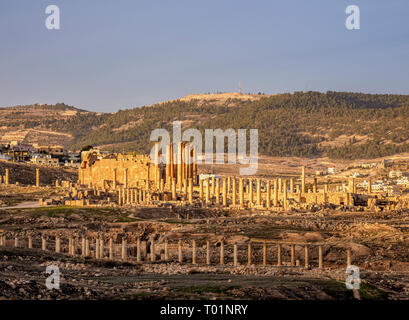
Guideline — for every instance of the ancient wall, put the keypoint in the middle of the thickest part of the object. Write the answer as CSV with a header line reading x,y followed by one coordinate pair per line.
x,y
119,171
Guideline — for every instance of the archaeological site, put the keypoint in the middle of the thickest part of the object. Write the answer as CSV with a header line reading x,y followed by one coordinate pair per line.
x,y
130,227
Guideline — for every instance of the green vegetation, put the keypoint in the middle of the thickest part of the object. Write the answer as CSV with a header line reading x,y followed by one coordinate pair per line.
x,y
296,124
208,288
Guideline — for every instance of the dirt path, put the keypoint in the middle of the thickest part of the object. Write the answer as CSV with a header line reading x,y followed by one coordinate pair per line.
x,y
23,205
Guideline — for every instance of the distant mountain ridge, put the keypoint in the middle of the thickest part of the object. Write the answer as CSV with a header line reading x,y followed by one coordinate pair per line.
x,y
306,124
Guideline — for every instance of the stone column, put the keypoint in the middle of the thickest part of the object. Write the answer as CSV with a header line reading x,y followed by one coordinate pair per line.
x,y
299,194
153,256
174,196
268,194
111,249
114,178
293,255
207,252
213,190
250,191
285,195
101,248
180,253
179,165
119,198
320,259
190,191
369,186
37,177
57,244
234,200
264,253
185,187
218,191
279,254
241,193
168,165
302,179
30,242
291,185
306,256
348,257
156,163
43,243
194,252
86,247
258,192
222,252
228,184
16,241
96,248
172,162
7,177
249,253
83,246
73,246
166,250
138,250
224,193
126,178
275,193
207,191
235,261
194,165
124,250
201,190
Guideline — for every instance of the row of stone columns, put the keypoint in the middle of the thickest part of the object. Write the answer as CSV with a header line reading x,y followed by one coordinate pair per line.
x,y
6,178
128,196
209,191
100,250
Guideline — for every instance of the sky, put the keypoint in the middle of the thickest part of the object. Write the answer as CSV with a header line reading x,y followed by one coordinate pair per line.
x,y
110,55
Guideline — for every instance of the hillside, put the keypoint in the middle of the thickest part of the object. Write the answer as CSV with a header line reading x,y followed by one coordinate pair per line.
x,y
337,124
34,123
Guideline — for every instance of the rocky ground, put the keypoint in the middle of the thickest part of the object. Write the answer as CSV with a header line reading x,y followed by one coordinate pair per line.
x,y
25,173
23,277
379,244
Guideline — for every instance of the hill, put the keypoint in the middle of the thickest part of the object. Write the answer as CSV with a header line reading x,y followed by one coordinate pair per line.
x,y
38,123
341,125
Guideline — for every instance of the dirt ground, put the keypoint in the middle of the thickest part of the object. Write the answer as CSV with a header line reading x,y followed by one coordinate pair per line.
x,y
379,244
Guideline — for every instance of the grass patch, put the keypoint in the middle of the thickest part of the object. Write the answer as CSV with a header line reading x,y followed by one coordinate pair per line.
x,y
369,292
207,289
